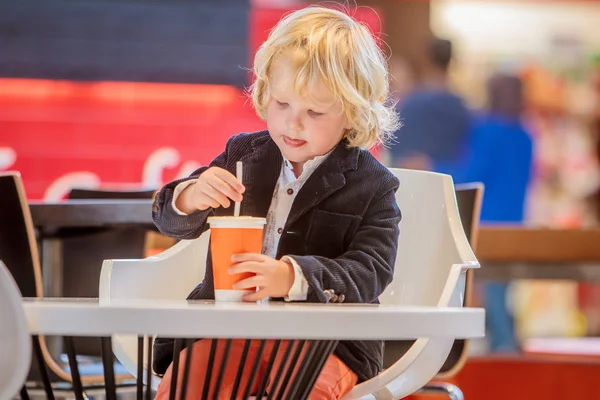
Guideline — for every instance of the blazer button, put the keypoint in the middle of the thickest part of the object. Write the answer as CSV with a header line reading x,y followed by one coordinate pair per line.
x,y
341,298
329,293
334,298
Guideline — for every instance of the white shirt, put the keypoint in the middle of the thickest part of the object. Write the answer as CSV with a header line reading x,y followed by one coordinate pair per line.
x,y
286,190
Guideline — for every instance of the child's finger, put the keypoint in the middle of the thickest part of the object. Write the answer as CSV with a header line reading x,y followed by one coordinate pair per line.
x,y
248,283
230,179
247,266
261,294
219,197
207,200
225,188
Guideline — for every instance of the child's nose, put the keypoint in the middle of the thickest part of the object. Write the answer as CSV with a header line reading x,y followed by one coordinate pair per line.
x,y
295,125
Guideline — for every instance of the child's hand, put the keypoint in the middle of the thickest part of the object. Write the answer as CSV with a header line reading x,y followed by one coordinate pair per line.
x,y
274,278
214,188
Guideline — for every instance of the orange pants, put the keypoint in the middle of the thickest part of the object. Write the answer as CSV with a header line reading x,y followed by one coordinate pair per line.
x,y
335,380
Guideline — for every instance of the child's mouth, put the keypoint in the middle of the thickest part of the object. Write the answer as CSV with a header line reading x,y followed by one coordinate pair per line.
x,y
293,142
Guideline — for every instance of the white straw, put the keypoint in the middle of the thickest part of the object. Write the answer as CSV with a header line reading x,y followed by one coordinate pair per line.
x,y
238,174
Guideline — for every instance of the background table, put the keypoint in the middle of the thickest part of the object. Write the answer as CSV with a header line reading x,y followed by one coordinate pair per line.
x,y
521,252
55,221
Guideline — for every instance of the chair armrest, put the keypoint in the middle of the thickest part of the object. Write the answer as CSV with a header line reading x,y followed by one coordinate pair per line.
x,y
453,294
171,274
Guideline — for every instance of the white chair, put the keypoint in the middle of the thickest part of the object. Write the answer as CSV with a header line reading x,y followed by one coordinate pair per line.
x,y
433,257
15,343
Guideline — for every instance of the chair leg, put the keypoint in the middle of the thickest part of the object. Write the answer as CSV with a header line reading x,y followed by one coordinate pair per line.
x,y
452,391
24,393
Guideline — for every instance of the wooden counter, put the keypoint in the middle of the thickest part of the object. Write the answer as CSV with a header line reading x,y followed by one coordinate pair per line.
x,y
522,244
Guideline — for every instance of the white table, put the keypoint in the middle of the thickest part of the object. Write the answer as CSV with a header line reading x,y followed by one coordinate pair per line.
x,y
87,317
323,325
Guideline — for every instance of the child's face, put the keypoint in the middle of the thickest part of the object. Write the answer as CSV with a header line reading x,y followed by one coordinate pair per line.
x,y
302,127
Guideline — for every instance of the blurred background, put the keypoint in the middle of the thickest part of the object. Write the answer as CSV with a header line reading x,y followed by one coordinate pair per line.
x,y
131,94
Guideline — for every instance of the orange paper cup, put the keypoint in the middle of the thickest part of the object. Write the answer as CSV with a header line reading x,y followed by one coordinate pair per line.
x,y
229,236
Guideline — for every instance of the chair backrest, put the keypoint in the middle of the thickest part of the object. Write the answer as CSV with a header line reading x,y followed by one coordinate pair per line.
x,y
19,253
18,248
15,346
469,197
431,240
83,193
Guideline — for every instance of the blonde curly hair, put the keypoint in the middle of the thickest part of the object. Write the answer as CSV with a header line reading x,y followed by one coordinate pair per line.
x,y
330,45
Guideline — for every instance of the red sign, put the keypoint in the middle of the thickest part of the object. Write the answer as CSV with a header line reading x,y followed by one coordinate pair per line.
x,y
122,135
129,135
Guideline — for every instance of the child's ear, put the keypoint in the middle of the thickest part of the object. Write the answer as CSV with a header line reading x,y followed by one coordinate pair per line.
x,y
347,134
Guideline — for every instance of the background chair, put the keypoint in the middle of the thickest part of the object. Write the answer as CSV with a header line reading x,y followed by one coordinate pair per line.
x,y
431,270
15,346
19,252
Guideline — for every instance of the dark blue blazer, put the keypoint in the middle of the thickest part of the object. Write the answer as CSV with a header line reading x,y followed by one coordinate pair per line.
x,y
342,230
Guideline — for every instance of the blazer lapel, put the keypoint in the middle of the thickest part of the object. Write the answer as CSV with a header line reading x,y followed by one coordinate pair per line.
x,y
327,179
261,168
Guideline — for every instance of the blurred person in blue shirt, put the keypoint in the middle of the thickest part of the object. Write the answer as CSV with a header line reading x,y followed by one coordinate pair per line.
x,y
500,156
435,121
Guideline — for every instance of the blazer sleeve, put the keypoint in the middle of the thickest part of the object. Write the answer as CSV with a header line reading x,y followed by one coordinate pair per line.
x,y
190,226
363,272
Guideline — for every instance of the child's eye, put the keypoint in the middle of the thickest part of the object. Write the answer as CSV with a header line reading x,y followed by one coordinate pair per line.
x,y
280,104
314,113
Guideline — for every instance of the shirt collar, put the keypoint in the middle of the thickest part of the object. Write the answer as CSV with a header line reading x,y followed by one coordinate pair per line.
x,y
309,166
